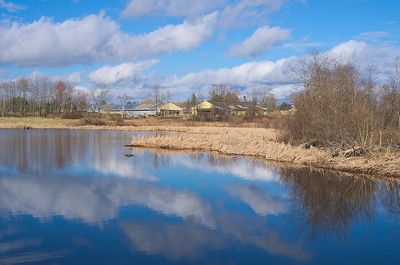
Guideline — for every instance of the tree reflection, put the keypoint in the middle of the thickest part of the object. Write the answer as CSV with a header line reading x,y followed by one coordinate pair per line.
x,y
390,195
329,203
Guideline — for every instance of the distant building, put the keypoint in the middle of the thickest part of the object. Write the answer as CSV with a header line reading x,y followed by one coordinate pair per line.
x,y
145,110
212,110
170,110
240,108
119,109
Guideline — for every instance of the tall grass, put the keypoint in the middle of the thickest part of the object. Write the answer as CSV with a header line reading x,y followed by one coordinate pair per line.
x,y
264,143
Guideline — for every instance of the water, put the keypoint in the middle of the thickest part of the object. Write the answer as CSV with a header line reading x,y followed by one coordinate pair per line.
x,y
79,197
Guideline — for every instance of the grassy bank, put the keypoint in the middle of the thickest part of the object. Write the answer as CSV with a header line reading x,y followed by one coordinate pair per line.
x,y
258,142
13,122
218,137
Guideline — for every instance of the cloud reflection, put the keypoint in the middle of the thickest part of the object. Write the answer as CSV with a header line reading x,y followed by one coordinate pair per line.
x,y
262,203
185,240
94,200
241,167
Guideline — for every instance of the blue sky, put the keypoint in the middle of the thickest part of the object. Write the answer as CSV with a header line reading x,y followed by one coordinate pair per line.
x,y
184,46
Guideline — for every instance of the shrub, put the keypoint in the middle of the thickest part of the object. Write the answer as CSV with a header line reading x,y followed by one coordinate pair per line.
x,y
72,115
93,121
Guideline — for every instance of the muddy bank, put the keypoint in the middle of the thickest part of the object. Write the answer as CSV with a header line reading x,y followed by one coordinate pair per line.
x,y
262,143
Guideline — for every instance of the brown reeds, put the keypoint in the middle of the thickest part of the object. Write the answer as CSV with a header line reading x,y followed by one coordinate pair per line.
x,y
264,143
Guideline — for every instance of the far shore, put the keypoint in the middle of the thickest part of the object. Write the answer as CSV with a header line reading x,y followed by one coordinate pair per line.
x,y
238,141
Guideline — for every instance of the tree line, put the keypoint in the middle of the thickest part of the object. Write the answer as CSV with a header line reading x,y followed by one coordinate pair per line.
x,y
342,105
40,96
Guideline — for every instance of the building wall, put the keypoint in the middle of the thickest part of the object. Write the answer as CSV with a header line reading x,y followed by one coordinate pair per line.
x,y
138,113
203,105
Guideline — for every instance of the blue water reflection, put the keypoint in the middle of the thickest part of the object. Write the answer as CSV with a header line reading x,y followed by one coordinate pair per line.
x,y
80,197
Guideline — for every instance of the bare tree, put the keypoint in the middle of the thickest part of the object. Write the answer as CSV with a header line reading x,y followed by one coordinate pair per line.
x,y
99,98
123,100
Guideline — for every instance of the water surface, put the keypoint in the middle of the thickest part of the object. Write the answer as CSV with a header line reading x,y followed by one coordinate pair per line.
x,y
81,197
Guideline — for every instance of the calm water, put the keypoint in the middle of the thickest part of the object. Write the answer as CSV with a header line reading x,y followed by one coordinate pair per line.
x,y
77,197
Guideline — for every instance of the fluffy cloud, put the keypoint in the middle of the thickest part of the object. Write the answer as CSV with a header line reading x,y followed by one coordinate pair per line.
x,y
364,54
11,7
264,72
260,41
109,75
93,38
231,13
280,75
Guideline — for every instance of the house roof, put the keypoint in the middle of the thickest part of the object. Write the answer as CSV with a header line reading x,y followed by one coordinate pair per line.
x,y
145,107
128,106
171,106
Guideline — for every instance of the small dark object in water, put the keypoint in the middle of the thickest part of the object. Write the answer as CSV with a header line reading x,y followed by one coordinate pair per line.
x,y
27,127
129,155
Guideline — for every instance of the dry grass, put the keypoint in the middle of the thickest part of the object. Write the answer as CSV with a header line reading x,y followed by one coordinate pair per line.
x,y
264,143
235,141
256,142
35,122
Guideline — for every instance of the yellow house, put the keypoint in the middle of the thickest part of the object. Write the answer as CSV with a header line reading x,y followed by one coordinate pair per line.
x,y
205,105
220,108
170,110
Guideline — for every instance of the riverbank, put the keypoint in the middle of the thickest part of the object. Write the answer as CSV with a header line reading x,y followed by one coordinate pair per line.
x,y
263,143
243,141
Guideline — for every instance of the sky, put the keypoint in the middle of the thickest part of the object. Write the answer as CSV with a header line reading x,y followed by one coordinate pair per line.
x,y
183,46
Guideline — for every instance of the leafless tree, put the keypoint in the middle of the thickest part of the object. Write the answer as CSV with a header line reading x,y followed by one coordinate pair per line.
x,y
99,98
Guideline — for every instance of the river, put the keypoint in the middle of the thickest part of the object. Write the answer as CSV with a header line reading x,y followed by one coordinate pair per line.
x,y
81,197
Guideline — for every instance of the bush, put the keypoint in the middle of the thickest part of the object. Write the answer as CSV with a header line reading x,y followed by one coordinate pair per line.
x,y
72,115
119,121
93,121
342,106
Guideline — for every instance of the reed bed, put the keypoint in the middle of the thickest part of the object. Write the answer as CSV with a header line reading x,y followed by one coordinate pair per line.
x,y
264,143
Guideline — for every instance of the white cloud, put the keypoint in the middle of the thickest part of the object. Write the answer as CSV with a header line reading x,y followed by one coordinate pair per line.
x,y
364,54
260,41
93,38
280,75
248,74
185,36
244,12
11,7
108,75
374,35
74,78
230,13
138,8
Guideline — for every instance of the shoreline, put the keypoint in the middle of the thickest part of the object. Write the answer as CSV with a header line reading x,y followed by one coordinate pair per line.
x,y
243,141
266,147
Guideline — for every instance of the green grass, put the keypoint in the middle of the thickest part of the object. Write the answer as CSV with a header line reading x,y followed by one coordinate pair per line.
x,y
36,122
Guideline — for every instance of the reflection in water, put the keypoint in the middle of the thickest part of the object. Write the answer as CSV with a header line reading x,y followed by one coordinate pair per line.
x,y
262,203
247,169
152,203
56,151
390,195
330,203
10,249
175,241
186,240
95,200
